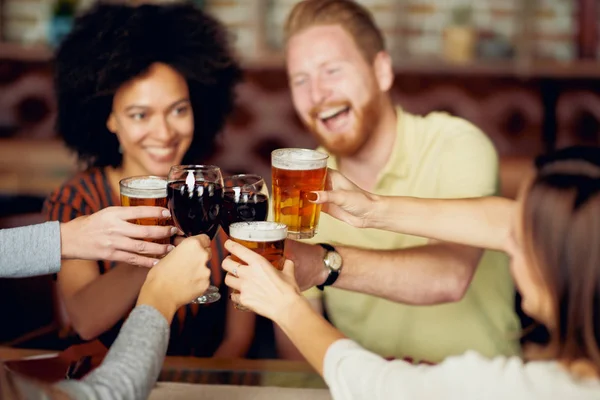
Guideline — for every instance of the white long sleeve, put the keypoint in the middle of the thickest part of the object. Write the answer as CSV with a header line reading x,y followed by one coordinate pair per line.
x,y
353,373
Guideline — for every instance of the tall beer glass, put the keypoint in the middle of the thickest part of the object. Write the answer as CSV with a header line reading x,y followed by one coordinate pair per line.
x,y
296,173
263,237
195,194
146,190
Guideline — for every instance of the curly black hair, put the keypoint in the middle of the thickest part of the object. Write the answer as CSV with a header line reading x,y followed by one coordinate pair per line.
x,y
112,44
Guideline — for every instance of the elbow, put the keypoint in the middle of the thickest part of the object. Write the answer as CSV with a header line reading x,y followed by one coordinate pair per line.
x,y
86,333
455,287
460,275
455,291
86,330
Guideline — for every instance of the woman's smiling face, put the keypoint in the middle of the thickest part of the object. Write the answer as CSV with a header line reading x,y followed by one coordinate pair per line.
x,y
153,120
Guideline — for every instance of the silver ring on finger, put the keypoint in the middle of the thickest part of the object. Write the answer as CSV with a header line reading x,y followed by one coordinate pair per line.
x,y
234,272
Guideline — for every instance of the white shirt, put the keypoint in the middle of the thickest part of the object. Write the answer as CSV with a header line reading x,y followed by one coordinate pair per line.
x,y
354,373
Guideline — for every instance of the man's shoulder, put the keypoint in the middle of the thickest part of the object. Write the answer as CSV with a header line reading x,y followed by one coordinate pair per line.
x,y
443,124
442,129
439,123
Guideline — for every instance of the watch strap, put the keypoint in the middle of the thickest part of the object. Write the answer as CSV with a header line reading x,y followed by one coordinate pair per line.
x,y
333,274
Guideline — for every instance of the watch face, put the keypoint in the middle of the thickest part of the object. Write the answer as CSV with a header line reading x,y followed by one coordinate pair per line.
x,y
334,260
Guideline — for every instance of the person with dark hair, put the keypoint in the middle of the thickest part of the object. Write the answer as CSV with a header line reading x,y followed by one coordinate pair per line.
x,y
140,89
552,234
133,363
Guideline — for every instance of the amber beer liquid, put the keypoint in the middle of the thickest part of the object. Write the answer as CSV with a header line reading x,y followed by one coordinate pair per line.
x,y
263,237
146,191
296,173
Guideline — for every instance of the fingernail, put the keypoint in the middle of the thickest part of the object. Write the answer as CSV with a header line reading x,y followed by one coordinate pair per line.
x,y
155,262
170,247
173,230
166,213
312,196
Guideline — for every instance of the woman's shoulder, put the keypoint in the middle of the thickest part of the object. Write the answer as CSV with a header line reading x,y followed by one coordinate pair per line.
x,y
80,179
87,191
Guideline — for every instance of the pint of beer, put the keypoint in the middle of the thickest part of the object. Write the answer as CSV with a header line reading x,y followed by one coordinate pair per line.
x,y
263,237
296,173
146,191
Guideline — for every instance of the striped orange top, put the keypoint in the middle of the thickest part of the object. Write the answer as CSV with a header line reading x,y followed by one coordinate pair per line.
x,y
196,330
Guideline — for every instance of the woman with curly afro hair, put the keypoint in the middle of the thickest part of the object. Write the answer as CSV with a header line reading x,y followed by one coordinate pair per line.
x,y
140,89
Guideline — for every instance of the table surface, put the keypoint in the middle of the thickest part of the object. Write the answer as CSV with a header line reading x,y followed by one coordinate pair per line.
x,y
180,391
207,371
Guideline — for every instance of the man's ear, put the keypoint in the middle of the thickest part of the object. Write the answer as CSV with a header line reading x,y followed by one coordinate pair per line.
x,y
384,72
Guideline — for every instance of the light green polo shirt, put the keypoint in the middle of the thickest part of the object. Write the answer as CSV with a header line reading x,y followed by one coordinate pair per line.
x,y
436,156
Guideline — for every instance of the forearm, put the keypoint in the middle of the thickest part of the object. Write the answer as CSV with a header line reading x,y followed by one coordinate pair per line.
x,y
430,274
133,363
239,332
68,240
99,305
285,348
232,347
30,250
309,332
480,222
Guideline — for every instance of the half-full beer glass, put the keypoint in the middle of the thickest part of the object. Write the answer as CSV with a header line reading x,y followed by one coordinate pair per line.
x,y
296,173
263,237
146,190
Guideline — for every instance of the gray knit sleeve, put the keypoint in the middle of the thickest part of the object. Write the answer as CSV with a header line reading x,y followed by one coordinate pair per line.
x,y
30,250
132,364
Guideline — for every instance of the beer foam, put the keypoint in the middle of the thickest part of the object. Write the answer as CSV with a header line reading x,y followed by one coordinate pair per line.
x,y
298,159
145,188
258,231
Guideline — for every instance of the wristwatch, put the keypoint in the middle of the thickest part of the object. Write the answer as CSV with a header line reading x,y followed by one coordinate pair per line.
x,y
333,262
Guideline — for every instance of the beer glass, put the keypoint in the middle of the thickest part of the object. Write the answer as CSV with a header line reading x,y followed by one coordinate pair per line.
x,y
245,199
146,190
296,173
195,196
263,237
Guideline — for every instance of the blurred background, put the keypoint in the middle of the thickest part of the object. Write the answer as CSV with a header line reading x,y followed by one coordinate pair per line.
x,y
526,71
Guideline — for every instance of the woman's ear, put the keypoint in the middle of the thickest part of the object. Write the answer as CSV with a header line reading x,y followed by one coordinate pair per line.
x,y
111,123
384,73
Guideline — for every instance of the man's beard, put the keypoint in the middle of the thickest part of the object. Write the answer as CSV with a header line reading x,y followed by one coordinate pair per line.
x,y
348,143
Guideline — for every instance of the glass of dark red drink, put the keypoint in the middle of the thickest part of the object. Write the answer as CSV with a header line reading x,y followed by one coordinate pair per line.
x,y
195,196
245,199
